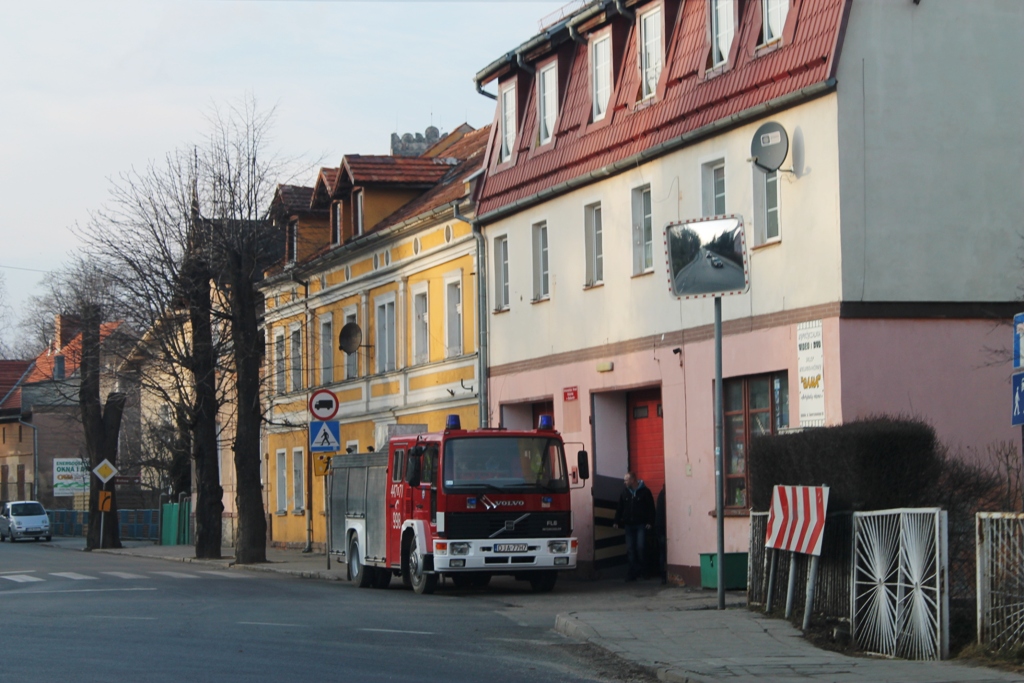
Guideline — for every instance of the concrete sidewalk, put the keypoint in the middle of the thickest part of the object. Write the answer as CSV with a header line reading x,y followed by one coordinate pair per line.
x,y
675,631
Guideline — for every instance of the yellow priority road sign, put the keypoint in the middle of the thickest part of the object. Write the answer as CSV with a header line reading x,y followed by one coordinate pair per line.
x,y
105,471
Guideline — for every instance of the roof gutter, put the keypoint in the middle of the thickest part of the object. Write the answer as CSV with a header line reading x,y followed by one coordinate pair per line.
x,y
481,314
688,138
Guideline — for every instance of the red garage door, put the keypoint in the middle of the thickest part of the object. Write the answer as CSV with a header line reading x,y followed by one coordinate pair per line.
x,y
646,444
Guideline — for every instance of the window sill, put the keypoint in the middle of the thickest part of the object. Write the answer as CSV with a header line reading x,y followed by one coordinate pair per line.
x,y
770,243
299,513
541,300
496,311
643,274
767,48
596,285
281,513
732,512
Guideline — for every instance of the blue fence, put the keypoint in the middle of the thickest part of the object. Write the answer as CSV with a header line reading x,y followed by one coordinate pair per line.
x,y
139,525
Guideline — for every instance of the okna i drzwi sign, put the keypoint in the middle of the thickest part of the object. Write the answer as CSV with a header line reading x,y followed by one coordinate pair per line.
x,y
797,519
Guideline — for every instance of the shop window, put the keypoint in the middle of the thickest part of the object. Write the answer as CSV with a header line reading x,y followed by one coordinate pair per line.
x,y
755,406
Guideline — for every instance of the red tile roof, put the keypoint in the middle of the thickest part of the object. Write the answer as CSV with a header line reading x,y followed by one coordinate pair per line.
x,y
323,188
687,100
293,198
359,169
12,373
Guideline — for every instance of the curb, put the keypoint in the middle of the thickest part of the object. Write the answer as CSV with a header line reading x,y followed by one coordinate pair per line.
x,y
228,564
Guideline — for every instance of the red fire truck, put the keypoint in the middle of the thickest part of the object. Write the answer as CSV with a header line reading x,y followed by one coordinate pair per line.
x,y
469,504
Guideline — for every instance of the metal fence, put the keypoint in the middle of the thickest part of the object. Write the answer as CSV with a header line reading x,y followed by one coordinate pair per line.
x,y
900,598
138,525
832,590
1000,580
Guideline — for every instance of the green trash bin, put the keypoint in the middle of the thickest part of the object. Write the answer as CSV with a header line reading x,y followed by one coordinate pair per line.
x,y
735,570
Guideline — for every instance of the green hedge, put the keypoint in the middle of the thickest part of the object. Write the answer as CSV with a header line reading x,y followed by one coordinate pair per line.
x,y
872,464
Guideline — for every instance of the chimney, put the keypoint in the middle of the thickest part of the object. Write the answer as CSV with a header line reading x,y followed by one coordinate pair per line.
x,y
65,329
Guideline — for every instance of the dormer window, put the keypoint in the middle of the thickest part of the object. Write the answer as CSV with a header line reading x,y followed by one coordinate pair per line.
x,y
600,75
722,29
357,212
291,241
336,214
508,121
773,18
547,101
650,52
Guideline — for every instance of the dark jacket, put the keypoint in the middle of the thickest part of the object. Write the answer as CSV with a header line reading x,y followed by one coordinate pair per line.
x,y
635,507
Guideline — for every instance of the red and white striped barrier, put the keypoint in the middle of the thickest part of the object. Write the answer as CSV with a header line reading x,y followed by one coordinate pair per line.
x,y
797,519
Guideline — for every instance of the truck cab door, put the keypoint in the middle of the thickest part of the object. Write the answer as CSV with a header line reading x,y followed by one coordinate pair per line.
x,y
397,503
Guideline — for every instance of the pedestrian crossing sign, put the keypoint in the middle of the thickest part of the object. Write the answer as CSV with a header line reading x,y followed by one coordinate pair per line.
x,y
324,437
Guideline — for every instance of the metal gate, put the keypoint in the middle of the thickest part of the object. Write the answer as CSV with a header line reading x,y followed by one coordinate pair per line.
x,y
900,592
1000,538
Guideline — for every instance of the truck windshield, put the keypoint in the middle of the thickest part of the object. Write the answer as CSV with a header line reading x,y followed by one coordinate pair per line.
x,y
505,462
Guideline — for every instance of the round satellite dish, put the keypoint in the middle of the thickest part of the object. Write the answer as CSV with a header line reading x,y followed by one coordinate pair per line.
x,y
350,338
769,146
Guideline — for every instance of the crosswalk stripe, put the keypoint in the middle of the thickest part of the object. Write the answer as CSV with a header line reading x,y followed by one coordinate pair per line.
x,y
176,575
226,574
73,576
124,575
21,578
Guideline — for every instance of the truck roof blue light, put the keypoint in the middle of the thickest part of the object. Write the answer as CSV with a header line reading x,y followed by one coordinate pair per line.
x,y
453,422
546,422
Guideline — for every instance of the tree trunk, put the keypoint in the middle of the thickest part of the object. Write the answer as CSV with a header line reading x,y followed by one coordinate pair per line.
x,y
102,427
251,539
209,494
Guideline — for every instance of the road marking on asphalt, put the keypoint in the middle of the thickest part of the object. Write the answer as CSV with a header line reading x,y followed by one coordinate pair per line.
x,y
269,623
21,578
19,571
226,574
176,575
115,616
74,576
391,630
124,575
11,594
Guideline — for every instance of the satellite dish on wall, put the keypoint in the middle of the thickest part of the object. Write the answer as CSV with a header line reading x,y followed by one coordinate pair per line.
x,y
769,146
350,338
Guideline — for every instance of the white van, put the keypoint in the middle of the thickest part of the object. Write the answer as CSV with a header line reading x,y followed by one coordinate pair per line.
x,y
24,519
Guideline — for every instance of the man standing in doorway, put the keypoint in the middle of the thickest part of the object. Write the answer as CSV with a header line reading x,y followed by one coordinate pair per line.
x,y
635,515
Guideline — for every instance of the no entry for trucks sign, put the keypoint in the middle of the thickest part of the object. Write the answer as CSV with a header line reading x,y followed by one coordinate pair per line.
x,y
323,405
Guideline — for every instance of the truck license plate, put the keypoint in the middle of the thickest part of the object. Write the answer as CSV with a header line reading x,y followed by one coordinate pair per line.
x,y
510,547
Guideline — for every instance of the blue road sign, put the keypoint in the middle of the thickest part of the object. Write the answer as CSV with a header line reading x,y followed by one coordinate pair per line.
x,y
324,437
1018,399
1018,332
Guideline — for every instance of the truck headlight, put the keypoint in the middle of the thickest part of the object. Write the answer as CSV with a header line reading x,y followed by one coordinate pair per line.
x,y
558,547
459,548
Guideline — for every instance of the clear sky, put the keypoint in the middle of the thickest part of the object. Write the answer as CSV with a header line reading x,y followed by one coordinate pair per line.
x,y
91,89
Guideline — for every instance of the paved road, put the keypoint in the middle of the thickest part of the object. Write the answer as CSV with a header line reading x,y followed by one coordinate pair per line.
x,y
76,616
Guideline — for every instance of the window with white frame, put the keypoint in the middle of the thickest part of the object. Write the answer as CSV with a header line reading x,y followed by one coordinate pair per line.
x,y
713,188
547,101
643,231
298,480
722,29
650,51
501,290
773,19
508,121
593,243
766,206
600,76
292,241
421,324
351,359
385,343
296,358
336,215
279,361
327,349
282,480
357,212
453,315
540,261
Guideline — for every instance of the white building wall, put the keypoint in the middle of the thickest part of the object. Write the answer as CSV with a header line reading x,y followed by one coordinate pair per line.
x,y
932,150
802,270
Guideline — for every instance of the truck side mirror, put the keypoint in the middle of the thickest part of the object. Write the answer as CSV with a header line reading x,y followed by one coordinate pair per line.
x,y
583,465
413,467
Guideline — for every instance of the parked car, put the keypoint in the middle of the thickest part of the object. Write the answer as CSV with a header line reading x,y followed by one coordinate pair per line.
x,y
24,519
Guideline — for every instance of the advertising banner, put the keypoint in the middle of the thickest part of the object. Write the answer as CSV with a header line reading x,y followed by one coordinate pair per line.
x,y
810,360
70,476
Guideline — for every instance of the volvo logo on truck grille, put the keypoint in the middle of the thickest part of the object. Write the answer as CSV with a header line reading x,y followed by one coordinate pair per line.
x,y
510,525
495,504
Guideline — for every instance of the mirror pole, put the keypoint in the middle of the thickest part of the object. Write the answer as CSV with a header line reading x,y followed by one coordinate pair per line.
x,y
719,455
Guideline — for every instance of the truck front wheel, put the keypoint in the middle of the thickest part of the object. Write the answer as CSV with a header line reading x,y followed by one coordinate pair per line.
x,y
358,573
421,582
543,582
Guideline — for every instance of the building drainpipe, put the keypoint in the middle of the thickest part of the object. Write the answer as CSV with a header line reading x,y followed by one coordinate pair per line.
x,y
35,458
310,378
481,318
